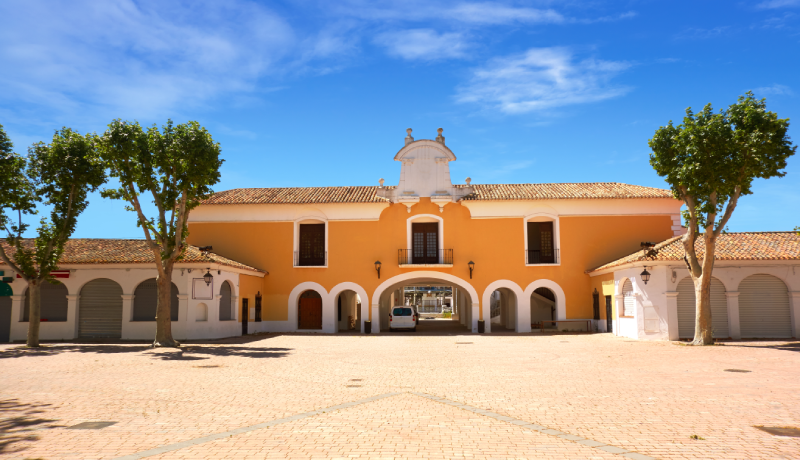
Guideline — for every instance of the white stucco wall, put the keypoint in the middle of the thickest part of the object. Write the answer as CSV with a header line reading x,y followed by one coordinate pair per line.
x,y
656,316
128,279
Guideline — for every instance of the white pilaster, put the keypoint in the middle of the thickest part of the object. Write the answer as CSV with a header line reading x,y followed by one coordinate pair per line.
x,y
619,303
72,314
794,300
214,308
376,318
19,330
672,315
523,315
179,328
734,326
475,315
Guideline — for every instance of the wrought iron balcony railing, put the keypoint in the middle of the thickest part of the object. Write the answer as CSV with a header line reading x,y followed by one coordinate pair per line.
x,y
425,257
535,256
310,259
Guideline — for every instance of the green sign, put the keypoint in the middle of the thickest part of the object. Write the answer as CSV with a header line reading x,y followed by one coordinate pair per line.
x,y
5,290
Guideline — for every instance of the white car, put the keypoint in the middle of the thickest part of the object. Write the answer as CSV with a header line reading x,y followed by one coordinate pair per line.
x,y
403,318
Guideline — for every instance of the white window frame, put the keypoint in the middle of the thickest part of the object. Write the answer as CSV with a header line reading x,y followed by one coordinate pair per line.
x,y
542,217
296,238
425,218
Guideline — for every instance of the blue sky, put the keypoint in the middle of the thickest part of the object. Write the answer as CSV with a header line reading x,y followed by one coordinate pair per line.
x,y
311,93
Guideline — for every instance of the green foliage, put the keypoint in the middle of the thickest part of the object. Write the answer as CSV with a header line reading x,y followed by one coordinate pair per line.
x,y
61,175
713,158
16,191
175,166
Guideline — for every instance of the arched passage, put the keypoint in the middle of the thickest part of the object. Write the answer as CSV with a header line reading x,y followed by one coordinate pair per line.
x,y
559,300
392,291
510,306
351,302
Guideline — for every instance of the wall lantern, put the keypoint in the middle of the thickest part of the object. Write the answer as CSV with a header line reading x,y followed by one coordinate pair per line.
x,y
378,268
645,275
471,267
208,277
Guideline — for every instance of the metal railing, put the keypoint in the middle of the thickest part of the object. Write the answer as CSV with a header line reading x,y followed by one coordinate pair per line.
x,y
411,257
310,259
535,256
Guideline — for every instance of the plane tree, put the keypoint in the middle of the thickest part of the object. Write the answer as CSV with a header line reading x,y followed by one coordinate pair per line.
x,y
709,162
59,175
173,168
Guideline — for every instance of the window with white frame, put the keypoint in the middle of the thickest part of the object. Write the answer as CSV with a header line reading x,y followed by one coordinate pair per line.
x,y
628,299
311,243
541,240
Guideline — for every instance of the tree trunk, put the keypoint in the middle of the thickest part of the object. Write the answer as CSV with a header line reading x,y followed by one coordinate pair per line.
x,y
35,312
163,312
703,332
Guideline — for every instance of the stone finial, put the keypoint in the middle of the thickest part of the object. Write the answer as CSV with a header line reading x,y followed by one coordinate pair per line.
x,y
440,138
381,181
468,180
409,138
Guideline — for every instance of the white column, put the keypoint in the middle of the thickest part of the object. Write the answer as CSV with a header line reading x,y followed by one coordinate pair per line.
x,y
523,315
72,315
794,299
237,314
619,301
214,308
180,328
376,316
475,316
672,315
127,315
734,326
19,330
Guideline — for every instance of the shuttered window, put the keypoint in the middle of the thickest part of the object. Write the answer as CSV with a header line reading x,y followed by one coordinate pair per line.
x,y
53,301
225,308
629,301
764,307
145,301
687,309
312,245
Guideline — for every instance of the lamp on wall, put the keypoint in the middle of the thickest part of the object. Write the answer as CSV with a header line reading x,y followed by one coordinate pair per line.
x,y
208,277
378,268
645,275
471,267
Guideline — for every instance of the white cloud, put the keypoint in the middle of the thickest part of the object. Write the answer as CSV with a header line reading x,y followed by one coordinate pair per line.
x,y
142,59
477,13
423,44
773,4
777,90
494,14
541,78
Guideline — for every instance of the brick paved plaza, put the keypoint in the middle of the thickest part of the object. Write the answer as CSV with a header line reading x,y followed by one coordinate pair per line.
x,y
401,395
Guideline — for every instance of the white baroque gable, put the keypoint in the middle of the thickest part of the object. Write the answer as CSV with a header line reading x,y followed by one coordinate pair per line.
x,y
425,172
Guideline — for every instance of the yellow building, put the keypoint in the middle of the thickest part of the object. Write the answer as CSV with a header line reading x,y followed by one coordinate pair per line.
x,y
338,258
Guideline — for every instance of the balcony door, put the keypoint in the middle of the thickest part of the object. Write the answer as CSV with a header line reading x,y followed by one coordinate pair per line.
x,y
541,244
312,245
425,243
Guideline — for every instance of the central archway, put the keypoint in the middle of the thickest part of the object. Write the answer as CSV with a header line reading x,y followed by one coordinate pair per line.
x,y
467,316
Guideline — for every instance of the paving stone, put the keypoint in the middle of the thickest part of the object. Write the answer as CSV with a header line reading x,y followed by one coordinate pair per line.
x,y
647,398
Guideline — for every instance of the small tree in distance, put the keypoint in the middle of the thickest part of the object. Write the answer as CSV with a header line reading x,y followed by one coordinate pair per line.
x,y
61,175
710,161
174,168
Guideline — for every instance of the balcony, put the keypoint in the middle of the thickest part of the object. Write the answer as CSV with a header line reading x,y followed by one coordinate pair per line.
x,y
425,258
311,259
537,257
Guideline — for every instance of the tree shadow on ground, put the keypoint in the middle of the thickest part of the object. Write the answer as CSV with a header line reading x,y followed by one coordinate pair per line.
x,y
18,424
191,352
778,345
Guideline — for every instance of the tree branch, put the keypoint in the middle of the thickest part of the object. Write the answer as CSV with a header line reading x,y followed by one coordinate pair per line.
x,y
690,237
729,210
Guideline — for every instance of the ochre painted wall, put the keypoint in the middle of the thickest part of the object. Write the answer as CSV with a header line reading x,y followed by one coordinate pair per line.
x,y
605,286
495,245
248,288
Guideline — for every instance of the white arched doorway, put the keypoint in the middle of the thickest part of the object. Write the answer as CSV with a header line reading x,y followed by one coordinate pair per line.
x,y
559,300
391,291
350,300
512,306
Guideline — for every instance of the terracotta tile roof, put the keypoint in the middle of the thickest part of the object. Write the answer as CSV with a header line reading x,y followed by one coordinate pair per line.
x,y
119,251
730,246
588,190
368,194
297,195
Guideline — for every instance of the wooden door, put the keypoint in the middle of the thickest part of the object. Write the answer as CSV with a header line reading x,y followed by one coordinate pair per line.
x,y
609,320
425,243
310,313
245,314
